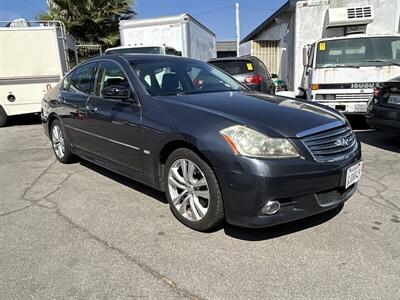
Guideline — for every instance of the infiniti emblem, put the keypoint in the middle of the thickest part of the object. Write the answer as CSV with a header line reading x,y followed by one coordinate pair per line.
x,y
342,142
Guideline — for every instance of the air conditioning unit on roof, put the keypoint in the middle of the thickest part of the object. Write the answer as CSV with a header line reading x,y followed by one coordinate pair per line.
x,y
348,16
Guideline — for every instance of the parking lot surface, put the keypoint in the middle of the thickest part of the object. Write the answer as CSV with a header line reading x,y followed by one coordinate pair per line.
x,y
79,231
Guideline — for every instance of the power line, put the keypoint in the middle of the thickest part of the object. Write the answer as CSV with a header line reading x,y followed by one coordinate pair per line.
x,y
258,9
214,10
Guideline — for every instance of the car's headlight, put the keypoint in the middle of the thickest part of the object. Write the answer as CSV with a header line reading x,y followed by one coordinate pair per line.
x,y
248,142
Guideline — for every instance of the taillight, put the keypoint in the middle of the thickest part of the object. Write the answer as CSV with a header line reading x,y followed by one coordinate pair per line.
x,y
377,91
255,79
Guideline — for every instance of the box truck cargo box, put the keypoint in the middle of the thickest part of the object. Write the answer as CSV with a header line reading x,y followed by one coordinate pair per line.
x,y
34,56
183,33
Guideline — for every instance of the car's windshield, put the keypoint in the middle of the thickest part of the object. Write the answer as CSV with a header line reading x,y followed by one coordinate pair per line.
x,y
147,50
358,52
180,77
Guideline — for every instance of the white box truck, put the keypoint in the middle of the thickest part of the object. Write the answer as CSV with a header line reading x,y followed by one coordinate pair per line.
x,y
342,49
34,56
183,33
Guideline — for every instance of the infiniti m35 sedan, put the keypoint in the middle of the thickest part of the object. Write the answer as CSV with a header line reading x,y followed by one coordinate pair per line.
x,y
218,150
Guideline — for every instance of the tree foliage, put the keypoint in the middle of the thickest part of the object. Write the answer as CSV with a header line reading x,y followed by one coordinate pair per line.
x,y
90,21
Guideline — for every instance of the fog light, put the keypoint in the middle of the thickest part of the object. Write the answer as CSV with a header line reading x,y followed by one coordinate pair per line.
x,y
271,208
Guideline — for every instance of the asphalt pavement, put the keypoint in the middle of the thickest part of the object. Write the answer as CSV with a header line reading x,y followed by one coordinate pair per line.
x,y
78,231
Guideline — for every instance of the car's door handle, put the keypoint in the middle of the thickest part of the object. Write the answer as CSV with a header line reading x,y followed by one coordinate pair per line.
x,y
91,108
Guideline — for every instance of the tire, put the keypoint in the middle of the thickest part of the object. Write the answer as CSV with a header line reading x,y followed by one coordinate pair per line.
x,y
194,203
3,117
60,143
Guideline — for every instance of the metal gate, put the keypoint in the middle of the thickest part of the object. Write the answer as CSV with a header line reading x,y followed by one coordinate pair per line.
x,y
267,51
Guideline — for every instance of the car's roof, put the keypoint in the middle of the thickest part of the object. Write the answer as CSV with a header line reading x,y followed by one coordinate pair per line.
x,y
143,56
248,57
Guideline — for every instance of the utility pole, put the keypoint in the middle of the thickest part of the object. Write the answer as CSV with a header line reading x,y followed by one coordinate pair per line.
x,y
237,29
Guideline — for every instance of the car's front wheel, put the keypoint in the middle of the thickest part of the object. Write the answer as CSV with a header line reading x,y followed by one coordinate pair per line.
x,y
193,191
60,143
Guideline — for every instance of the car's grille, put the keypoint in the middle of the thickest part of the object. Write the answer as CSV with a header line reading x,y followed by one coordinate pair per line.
x,y
331,145
332,197
353,97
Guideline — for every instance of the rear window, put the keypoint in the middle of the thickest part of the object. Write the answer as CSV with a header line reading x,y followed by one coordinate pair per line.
x,y
235,67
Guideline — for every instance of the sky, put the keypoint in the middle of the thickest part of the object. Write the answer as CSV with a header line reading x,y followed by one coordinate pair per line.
x,y
217,15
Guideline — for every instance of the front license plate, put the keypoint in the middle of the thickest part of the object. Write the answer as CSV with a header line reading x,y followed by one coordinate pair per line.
x,y
394,99
353,174
360,107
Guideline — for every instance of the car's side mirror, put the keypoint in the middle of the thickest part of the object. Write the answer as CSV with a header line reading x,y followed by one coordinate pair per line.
x,y
118,92
273,75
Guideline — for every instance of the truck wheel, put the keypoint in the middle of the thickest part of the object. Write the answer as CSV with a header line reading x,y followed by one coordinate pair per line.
x,y
193,191
3,117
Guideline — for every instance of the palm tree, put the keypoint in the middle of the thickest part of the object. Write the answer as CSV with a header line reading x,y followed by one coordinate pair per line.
x,y
90,21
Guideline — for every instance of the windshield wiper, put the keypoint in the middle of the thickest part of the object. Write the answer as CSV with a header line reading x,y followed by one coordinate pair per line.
x,y
341,66
390,61
205,92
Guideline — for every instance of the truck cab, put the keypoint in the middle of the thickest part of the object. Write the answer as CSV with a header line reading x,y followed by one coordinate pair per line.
x,y
341,72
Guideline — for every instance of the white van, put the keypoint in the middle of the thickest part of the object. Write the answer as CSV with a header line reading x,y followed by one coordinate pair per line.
x,y
34,56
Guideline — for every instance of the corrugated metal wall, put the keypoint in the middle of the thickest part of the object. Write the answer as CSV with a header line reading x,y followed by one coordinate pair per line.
x,y
267,51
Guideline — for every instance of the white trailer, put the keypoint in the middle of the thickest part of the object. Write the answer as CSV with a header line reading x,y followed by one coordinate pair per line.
x,y
348,47
34,56
183,33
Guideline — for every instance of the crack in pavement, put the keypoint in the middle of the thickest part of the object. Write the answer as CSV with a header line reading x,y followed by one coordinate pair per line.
x,y
391,206
147,269
16,210
170,283
379,193
26,190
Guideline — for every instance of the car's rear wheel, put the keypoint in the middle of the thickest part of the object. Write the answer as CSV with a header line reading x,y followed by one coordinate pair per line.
x,y
60,143
193,191
3,117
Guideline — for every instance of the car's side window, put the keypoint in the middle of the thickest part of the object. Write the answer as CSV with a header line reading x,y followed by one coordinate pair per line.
x,y
109,74
67,81
81,81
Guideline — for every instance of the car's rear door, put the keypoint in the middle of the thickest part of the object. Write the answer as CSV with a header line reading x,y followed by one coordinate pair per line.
x,y
73,100
114,123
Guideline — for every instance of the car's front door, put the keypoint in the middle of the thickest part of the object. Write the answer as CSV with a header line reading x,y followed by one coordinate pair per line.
x,y
114,118
77,87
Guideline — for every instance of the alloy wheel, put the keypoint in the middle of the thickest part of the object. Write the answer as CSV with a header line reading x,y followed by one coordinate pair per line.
x,y
58,141
188,189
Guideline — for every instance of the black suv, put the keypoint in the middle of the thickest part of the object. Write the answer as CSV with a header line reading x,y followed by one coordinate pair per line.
x,y
249,70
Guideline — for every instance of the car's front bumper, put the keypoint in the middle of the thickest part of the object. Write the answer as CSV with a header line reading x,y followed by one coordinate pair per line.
x,y
295,183
386,118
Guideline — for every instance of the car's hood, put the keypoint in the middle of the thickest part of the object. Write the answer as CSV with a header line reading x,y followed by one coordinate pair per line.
x,y
275,116
394,82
